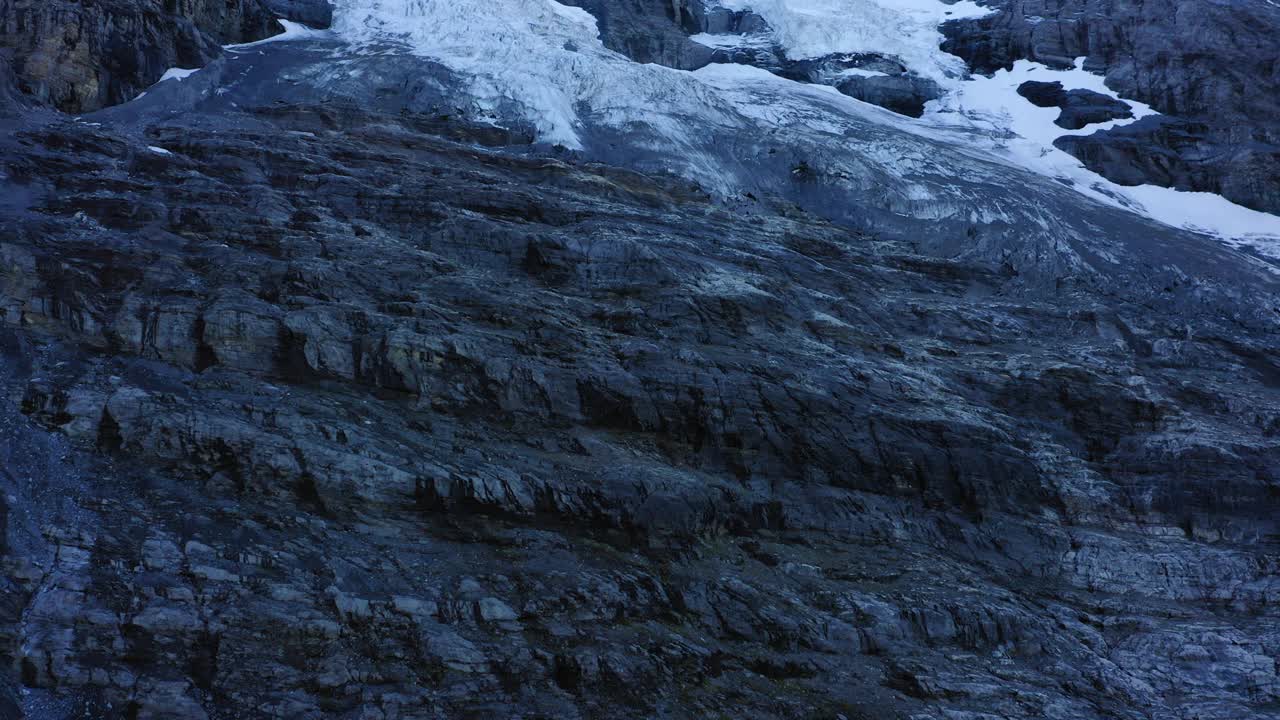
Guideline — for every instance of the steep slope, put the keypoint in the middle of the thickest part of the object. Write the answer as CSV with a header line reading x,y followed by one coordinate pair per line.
x,y
1208,67
334,388
83,56
537,439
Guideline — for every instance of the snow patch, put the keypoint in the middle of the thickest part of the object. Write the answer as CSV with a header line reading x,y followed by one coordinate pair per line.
x,y
541,57
292,31
178,74
1020,131
861,72
158,150
988,111
754,41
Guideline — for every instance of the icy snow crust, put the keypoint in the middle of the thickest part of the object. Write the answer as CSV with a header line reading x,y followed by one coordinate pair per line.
x,y
541,62
539,55
907,29
178,74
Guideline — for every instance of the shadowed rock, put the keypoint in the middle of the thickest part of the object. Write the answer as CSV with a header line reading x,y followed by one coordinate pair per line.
x,y
1209,66
1079,107
79,57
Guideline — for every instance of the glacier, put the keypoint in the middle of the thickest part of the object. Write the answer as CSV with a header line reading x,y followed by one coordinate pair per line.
x,y
542,63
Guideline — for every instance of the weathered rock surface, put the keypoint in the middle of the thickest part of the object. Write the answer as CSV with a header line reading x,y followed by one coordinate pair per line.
x,y
546,439
1079,107
312,13
81,56
658,31
651,31
904,94
1209,66
319,408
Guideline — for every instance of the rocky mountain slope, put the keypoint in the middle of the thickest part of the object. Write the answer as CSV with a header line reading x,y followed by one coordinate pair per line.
x,y
79,57
1209,67
327,394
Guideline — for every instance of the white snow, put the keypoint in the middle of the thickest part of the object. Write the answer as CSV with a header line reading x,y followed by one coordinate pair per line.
x,y
759,41
541,57
991,109
543,62
178,74
907,29
292,31
862,72
158,150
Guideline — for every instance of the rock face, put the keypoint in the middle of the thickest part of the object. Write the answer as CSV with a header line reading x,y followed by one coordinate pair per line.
x,y
1186,154
318,408
651,31
658,31
312,13
904,94
1079,107
1208,66
81,56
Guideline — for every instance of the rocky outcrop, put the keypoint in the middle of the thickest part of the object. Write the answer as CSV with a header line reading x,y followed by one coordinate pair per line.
x,y
1175,152
1202,64
904,93
79,56
312,13
650,31
1079,107
658,31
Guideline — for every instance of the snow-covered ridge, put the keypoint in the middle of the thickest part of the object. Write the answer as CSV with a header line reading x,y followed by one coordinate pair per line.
x,y
543,63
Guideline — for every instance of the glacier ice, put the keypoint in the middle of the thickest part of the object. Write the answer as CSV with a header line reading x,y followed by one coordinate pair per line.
x,y
542,63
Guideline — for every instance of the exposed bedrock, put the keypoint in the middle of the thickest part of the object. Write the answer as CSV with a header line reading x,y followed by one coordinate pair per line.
x,y
651,31
312,13
1079,107
1210,67
375,421
318,400
904,94
658,31
1173,152
81,56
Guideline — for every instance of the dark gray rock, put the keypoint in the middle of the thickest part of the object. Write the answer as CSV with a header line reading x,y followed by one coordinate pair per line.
x,y
79,56
904,94
893,88
1178,153
557,439
1207,65
1079,107
312,13
719,20
651,31
1043,94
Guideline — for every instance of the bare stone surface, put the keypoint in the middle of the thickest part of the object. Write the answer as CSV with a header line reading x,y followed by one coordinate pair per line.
x,y
341,409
